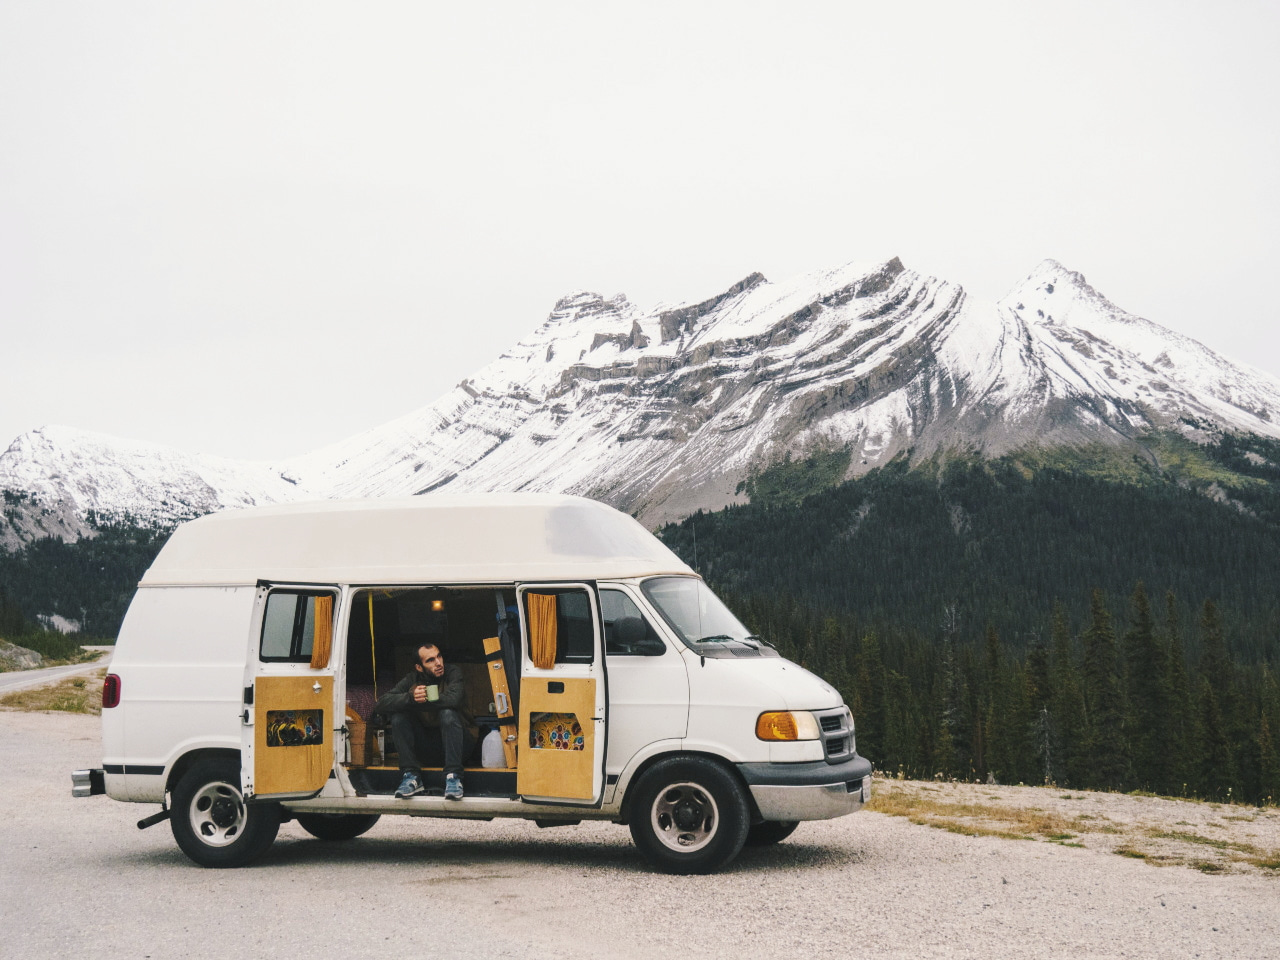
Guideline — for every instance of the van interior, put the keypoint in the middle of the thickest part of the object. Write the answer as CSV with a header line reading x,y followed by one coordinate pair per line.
x,y
386,629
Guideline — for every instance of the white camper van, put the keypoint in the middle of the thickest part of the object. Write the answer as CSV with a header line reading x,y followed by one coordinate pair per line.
x,y
241,690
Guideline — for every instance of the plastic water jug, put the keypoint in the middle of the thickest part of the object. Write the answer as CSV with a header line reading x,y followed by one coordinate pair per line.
x,y
491,754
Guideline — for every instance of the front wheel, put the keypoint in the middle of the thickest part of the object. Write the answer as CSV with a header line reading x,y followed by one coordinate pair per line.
x,y
689,815
211,821
336,826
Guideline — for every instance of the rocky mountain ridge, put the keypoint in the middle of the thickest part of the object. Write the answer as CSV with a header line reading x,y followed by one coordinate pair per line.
x,y
666,411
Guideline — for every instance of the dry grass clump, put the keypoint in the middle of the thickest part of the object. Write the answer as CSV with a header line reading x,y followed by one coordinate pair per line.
x,y
1156,830
973,819
72,695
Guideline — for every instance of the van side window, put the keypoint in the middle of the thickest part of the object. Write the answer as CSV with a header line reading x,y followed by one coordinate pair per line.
x,y
289,626
575,632
627,633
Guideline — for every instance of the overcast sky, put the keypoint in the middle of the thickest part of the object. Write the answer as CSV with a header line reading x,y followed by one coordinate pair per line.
x,y
249,229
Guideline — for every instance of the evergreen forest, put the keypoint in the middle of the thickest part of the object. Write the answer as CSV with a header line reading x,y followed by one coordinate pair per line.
x,y
988,621
89,582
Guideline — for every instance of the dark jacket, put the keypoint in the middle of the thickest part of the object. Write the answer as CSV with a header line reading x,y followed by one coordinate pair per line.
x,y
453,694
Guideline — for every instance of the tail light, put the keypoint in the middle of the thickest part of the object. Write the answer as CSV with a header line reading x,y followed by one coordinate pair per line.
x,y
110,691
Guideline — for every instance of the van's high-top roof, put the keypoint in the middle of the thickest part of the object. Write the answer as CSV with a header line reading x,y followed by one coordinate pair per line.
x,y
428,539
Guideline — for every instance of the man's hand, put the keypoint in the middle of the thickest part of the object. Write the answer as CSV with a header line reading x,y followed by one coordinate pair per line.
x,y
420,694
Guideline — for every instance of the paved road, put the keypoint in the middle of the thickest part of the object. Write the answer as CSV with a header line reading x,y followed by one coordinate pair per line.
x,y
78,879
23,679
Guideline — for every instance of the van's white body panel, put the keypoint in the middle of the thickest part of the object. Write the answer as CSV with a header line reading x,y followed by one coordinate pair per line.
x,y
182,650
437,539
186,651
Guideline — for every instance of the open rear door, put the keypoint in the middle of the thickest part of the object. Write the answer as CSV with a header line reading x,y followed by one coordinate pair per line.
x,y
562,717
288,719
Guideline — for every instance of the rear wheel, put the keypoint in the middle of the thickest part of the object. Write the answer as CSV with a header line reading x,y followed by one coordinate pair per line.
x,y
689,815
211,821
336,826
770,832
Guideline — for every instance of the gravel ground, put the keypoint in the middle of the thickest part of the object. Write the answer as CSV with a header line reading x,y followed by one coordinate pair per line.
x,y
76,877
1209,837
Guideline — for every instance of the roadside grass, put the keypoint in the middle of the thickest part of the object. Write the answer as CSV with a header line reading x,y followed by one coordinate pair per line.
x,y
973,819
72,695
974,811
1196,838
83,656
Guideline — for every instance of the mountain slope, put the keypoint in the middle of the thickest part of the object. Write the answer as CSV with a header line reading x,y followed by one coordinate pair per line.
x,y
666,411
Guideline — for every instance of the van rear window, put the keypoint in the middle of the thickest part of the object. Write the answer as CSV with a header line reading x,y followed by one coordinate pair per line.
x,y
289,626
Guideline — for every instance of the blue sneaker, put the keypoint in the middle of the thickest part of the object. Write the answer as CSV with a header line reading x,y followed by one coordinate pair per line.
x,y
409,786
452,787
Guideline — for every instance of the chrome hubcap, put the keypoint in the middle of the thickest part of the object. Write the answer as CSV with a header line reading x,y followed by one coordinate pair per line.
x,y
217,814
684,817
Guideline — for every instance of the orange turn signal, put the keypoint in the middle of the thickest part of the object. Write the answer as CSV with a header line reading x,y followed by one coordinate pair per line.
x,y
779,725
787,725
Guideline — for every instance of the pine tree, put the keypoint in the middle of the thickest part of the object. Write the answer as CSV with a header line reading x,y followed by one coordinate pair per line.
x,y
1268,732
946,699
1269,766
1104,700
942,752
994,712
1019,723
1067,729
1183,760
868,704
1148,701
1039,700
1218,761
830,660
1216,776
903,722
1215,662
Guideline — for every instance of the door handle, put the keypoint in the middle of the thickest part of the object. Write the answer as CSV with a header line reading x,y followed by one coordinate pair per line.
x,y
316,686
502,706
555,686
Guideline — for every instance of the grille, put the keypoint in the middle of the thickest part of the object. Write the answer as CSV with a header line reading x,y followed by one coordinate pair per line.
x,y
837,734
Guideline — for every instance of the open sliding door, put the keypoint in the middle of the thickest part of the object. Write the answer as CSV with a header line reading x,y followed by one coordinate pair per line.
x,y
563,695
288,719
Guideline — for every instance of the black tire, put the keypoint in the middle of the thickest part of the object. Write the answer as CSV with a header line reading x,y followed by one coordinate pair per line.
x,y
212,823
769,832
689,815
336,826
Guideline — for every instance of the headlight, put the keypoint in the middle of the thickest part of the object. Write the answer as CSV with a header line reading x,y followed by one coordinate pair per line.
x,y
787,725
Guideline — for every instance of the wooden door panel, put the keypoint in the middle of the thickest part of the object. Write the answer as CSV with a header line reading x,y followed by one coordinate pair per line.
x,y
557,759
293,734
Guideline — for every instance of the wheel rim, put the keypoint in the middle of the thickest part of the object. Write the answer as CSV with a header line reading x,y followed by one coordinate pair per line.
x,y
685,817
217,814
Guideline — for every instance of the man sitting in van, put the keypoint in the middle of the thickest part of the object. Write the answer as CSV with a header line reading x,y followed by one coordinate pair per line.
x,y
431,689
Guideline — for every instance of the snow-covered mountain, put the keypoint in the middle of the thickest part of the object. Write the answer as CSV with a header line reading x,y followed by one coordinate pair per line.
x,y
663,412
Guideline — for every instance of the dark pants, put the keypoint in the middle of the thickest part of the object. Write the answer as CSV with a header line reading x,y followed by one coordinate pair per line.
x,y
420,746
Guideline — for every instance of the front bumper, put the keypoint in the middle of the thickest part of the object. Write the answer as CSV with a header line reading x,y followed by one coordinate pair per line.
x,y
808,791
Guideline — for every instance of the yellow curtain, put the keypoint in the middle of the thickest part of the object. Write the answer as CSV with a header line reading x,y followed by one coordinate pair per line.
x,y
322,641
542,630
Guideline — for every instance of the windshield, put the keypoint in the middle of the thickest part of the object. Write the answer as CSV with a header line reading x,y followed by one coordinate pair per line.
x,y
699,618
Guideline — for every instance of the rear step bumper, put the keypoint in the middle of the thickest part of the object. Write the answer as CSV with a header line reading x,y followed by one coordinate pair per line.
x,y
87,783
